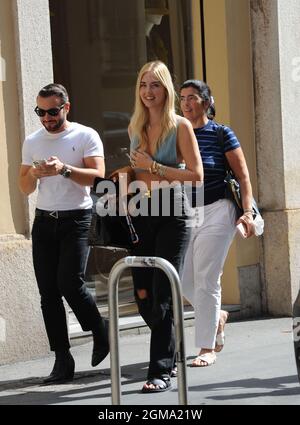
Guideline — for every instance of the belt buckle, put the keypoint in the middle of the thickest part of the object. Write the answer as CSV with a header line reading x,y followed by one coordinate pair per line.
x,y
54,214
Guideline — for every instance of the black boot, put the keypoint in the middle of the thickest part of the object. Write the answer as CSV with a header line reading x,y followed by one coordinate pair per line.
x,y
101,343
63,369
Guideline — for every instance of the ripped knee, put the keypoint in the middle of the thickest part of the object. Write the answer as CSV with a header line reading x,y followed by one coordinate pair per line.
x,y
142,294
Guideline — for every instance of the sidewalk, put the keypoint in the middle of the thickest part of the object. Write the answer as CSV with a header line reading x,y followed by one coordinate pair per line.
x,y
256,367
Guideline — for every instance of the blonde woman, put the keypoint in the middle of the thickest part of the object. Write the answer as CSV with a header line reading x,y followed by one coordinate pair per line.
x,y
163,148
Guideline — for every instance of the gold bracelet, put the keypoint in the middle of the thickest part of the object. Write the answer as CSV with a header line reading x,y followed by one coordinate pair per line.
x,y
248,210
154,168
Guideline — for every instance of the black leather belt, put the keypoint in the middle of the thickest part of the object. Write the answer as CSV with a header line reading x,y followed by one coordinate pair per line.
x,y
62,214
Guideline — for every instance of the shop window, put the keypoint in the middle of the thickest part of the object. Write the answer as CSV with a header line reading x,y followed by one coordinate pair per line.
x,y
98,48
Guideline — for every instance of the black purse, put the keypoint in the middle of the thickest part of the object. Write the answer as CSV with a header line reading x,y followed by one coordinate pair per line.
x,y
232,189
111,229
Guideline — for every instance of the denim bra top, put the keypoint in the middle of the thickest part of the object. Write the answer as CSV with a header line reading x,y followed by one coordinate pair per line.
x,y
166,153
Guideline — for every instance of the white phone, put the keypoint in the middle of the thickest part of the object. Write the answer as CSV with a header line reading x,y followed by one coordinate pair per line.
x,y
241,230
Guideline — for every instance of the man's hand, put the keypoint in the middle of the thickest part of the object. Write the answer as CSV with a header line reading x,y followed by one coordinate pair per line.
x,y
36,172
52,167
39,171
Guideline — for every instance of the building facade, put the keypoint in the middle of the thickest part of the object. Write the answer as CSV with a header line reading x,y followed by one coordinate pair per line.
x,y
247,51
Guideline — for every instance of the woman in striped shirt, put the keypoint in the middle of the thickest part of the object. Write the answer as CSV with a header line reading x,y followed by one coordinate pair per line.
x,y
211,240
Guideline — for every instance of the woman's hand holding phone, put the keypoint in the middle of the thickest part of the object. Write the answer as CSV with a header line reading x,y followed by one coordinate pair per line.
x,y
241,230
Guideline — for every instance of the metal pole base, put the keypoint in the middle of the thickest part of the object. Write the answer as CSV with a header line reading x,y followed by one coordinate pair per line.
x,y
113,283
296,332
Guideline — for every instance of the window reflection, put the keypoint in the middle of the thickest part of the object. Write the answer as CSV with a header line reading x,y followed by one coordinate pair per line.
x,y
157,30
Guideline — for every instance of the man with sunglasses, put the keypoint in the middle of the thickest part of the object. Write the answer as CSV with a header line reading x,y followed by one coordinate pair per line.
x,y
62,159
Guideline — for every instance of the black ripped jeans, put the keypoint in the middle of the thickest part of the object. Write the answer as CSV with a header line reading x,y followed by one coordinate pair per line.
x,y
166,237
60,253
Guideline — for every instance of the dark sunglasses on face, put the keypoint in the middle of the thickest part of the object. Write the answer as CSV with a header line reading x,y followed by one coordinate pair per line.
x,y
53,111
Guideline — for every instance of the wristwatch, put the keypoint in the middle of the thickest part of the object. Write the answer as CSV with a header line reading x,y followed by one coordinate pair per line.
x,y
65,171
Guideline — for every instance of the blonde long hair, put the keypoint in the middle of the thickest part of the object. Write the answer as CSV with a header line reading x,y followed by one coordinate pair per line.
x,y
140,118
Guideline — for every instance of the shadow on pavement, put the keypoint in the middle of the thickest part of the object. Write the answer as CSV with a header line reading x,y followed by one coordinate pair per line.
x,y
278,386
33,391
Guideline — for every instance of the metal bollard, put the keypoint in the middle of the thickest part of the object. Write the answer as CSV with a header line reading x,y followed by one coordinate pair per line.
x,y
113,304
296,332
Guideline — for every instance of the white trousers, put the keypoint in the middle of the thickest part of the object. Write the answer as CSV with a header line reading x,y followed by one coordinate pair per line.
x,y
203,265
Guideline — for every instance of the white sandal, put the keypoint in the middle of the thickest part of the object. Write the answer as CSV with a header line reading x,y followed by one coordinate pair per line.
x,y
208,358
220,338
220,341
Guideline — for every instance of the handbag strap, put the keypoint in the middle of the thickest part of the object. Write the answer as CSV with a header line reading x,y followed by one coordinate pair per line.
x,y
133,235
220,139
229,177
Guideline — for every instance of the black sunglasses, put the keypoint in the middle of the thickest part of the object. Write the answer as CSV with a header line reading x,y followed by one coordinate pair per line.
x,y
53,111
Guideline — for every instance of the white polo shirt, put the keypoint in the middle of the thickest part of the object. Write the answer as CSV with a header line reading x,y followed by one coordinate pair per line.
x,y
57,193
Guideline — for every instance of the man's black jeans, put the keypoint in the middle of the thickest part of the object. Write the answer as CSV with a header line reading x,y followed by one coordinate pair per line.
x,y
60,253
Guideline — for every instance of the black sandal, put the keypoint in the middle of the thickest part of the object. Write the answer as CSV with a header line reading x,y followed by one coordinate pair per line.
x,y
163,384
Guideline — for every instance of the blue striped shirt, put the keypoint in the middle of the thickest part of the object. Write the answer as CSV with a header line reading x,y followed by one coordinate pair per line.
x,y
213,158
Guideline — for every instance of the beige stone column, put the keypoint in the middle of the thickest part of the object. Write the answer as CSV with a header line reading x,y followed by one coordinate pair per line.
x,y
276,59
34,65
26,47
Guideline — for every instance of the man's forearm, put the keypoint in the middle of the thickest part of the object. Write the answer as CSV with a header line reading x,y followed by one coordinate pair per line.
x,y
84,176
27,184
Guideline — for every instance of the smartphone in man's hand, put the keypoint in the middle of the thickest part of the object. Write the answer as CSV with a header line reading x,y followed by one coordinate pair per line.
x,y
39,162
